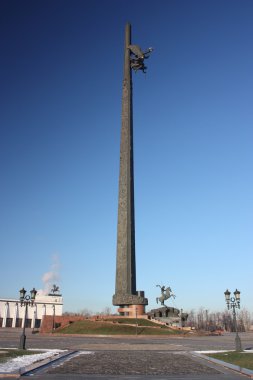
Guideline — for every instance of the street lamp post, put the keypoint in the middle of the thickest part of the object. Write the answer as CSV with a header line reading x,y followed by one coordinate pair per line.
x,y
136,322
53,323
25,300
233,303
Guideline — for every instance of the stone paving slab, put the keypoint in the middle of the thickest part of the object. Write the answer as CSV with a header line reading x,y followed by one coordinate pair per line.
x,y
136,363
125,346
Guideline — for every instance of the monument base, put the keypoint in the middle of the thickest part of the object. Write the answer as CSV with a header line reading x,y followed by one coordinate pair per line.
x,y
132,311
169,315
130,305
164,312
120,299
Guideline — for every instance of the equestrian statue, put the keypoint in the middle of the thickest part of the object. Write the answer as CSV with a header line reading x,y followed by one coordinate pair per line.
x,y
166,293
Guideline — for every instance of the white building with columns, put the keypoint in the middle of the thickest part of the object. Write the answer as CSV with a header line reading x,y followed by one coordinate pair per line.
x,y
12,314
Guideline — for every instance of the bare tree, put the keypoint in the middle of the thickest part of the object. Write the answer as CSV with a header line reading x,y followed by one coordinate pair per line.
x,y
86,312
106,311
191,320
244,320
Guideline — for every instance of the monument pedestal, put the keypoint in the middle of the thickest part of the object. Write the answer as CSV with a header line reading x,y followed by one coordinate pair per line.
x,y
132,311
169,315
130,305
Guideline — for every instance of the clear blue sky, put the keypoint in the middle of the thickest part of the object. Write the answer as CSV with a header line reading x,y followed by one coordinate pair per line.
x,y
61,82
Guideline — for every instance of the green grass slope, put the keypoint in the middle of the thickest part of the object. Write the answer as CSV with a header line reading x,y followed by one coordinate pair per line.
x,y
112,328
242,359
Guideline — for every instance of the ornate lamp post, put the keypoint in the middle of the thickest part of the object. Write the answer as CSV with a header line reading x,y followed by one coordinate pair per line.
x,y
25,300
233,303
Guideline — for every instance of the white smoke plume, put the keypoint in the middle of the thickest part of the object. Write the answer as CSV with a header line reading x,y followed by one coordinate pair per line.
x,y
52,276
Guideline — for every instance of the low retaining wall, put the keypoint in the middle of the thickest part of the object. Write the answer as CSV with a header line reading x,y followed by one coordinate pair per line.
x,y
50,323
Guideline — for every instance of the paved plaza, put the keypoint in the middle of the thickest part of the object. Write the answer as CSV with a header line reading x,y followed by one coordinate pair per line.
x,y
130,357
135,363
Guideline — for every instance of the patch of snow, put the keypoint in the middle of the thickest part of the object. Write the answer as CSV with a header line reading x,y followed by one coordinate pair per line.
x,y
78,353
221,351
26,360
212,351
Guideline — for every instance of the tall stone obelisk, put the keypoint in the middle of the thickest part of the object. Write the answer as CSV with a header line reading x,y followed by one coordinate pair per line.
x,y
126,297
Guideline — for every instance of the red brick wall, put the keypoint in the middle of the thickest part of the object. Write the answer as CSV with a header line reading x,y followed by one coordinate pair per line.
x,y
63,320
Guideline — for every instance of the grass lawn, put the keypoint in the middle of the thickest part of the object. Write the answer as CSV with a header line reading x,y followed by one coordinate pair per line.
x,y
242,359
6,355
132,321
105,328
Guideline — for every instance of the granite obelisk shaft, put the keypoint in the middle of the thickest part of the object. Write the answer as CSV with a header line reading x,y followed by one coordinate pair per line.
x,y
126,275
125,289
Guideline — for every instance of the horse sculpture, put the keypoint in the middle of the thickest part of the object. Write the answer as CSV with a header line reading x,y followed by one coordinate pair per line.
x,y
55,289
166,294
